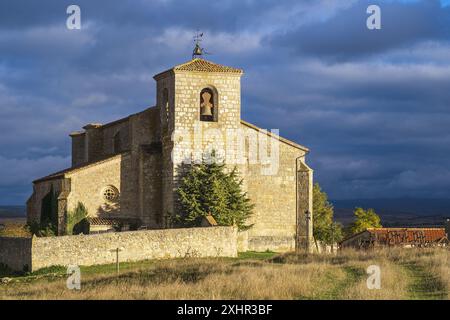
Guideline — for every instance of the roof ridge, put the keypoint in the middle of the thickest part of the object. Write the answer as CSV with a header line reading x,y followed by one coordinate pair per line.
x,y
201,65
187,62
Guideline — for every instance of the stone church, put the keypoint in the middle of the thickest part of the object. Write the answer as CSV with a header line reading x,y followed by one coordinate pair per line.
x,y
128,170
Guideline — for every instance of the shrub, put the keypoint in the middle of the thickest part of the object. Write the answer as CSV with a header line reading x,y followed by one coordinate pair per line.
x,y
49,215
41,230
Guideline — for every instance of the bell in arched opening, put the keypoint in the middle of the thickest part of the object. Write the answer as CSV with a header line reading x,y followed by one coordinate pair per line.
x,y
207,107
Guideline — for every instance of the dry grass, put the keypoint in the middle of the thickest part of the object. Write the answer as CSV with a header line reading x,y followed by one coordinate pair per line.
x,y
11,228
405,275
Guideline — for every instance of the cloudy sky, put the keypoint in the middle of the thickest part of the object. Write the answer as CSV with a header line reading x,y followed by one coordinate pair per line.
x,y
373,106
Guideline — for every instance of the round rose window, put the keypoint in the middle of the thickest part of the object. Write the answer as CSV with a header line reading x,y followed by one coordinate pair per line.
x,y
110,194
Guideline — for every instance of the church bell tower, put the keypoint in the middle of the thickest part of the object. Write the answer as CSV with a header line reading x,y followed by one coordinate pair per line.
x,y
195,99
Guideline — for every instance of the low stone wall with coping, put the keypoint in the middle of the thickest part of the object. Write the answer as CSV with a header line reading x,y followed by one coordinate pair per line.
x,y
86,250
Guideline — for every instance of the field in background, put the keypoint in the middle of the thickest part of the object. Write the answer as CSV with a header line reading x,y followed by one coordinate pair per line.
x,y
13,227
397,212
405,274
12,221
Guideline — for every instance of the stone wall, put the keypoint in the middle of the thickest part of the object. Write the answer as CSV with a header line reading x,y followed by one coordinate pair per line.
x,y
135,246
78,148
16,253
40,190
184,106
85,250
109,131
274,196
88,182
144,182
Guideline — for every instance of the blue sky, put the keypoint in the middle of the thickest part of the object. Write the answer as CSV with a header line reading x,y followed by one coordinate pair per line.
x,y
373,106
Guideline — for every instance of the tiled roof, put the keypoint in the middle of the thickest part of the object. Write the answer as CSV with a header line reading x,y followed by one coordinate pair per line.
x,y
205,66
407,234
103,221
202,65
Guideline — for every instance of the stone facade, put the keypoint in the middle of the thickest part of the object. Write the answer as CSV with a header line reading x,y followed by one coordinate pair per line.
x,y
144,155
85,250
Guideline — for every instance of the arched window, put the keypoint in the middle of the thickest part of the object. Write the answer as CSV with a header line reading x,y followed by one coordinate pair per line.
x,y
208,105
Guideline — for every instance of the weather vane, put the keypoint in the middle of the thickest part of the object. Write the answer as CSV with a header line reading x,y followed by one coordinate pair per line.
x,y
198,51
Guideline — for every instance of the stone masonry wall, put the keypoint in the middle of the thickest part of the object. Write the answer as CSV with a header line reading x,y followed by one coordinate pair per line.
x,y
40,190
135,246
109,131
16,253
87,185
144,181
184,92
274,196
78,148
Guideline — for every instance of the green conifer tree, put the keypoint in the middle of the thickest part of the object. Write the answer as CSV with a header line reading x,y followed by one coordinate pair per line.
x,y
208,189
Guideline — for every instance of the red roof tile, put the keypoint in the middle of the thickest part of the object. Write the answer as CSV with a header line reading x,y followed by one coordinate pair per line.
x,y
406,235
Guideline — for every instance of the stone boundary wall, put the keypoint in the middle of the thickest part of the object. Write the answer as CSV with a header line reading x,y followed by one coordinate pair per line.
x,y
86,250
135,246
16,253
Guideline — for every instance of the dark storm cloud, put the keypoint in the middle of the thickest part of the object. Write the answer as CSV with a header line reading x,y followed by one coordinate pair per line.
x,y
372,106
345,36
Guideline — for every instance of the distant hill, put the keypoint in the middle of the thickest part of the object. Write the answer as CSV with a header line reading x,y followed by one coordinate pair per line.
x,y
12,211
393,212
397,212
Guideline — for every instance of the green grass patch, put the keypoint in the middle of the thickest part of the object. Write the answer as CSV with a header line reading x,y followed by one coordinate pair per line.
x,y
352,276
256,255
424,285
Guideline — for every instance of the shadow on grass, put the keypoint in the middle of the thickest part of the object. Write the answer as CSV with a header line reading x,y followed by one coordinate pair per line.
x,y
160,275
307,258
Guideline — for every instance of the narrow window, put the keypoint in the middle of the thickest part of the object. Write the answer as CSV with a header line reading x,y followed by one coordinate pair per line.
x,y
165,107
117,143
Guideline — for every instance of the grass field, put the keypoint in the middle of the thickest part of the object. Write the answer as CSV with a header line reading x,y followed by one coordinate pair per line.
x,y
405,274
13,227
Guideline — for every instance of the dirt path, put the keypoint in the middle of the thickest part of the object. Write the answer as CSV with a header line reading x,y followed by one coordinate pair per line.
x,y
352,276
423,284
